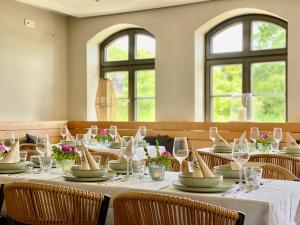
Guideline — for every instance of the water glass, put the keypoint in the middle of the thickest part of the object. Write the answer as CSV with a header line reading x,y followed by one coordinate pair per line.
x,y
42,144
113,131
9,140
94,131
23,156
140,168
180,150
213,131
254,134
277,136
63,131
45,162
253,177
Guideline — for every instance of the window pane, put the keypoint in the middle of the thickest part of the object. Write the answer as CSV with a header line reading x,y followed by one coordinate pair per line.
x,y
267,35
117,50
226,79
145,47
145,109
269,108
221,108
145,83
120,81
122,110
268,77
229,39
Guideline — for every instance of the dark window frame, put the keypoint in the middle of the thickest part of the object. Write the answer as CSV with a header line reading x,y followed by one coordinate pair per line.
x,y
131,65
246,57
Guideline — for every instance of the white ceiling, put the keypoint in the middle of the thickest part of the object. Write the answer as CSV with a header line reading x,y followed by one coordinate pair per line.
x,y
87,8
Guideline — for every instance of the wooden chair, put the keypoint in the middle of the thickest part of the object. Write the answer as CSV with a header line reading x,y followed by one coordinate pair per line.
x,y
290,163
105,156
271,171
27,146
212,159
33,203
138,208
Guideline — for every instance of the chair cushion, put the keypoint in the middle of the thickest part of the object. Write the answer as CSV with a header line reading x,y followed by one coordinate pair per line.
x,y
31,139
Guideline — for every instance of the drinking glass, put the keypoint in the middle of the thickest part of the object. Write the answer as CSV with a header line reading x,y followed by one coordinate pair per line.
x,y
113,132
128,153
180,150
126,140
277,136
45,162
254,134
252,177
23,156
143,131
240,154
94,131
63,131
213,131
42,144
9,140
80,138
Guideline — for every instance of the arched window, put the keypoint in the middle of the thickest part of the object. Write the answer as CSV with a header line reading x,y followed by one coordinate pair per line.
x,y
247,54
128,59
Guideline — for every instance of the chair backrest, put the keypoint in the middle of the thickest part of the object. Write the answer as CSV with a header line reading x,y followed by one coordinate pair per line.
x,y
138,208
212,159
271,171
290,163
105,156
34,203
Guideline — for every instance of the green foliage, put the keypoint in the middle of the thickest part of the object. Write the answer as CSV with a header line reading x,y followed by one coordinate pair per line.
x,y
60,155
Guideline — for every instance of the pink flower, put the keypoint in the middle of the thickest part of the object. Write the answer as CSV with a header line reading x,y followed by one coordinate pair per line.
x,y
264,136
3,149
165,153
104,131
67,148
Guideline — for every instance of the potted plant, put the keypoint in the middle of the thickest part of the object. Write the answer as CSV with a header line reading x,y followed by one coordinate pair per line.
x,y
162,161
264,142
104,137
65,156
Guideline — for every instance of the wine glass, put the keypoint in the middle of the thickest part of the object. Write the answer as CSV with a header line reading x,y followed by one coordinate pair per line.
x,y
277,136
128,150
213,131
180,150
42,145
240,154
63,131
94,131
113,132
9,140
254,134
80,138
143,131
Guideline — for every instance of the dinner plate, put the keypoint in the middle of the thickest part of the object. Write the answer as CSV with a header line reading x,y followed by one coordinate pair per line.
x,y
38,166
25,169
70,177
290,154
220,188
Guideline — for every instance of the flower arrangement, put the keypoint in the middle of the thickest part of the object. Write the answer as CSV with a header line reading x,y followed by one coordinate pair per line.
x,y
265,140
64,152
165,158
3,151
104,136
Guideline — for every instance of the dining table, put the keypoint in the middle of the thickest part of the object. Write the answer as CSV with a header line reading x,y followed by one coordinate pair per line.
x,y
275,202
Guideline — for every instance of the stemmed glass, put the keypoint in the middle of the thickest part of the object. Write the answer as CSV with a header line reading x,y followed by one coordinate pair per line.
x,y
180,150
213,131
128,152
63,131
240,154
254,134
143,131
277,136
113,132
94,131
9,140
79,138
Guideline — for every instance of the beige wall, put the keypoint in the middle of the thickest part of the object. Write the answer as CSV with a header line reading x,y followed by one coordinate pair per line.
x,y
175,29
33,64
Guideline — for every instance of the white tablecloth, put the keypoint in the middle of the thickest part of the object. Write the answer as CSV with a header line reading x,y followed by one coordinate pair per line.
x,y
275,203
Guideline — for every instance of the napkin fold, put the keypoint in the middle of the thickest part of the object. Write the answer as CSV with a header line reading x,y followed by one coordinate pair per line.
x,y
69,136
122,160
88,162
199,166
13,156
118,138
129,149
137,136
220,141
291,143
243,136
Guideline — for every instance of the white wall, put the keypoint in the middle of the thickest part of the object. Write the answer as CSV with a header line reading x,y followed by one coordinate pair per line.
x,y
174,29
33,64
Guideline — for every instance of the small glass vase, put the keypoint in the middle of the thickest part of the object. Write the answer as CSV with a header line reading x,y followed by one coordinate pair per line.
x,y
265,148
157,171
65,165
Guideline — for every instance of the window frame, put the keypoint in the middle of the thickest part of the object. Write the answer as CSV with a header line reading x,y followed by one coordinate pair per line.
x,y
131,65
246,57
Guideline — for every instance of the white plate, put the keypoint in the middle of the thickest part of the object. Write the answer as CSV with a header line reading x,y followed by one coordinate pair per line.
x,y
220,188
70,177
25,169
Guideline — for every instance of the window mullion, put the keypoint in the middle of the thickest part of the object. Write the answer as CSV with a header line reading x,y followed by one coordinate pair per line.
x,y
247,36
246,77
131,47
131,87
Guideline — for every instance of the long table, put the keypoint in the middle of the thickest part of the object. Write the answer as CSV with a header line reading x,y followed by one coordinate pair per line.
x,y
275,203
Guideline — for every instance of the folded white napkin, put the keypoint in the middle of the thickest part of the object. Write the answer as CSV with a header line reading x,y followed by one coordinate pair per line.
x,y
89,133
69,136
13,156
122,160
243,136
291,143
220,141
234,165
88,162
129,149
199,166
137,136
118,138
